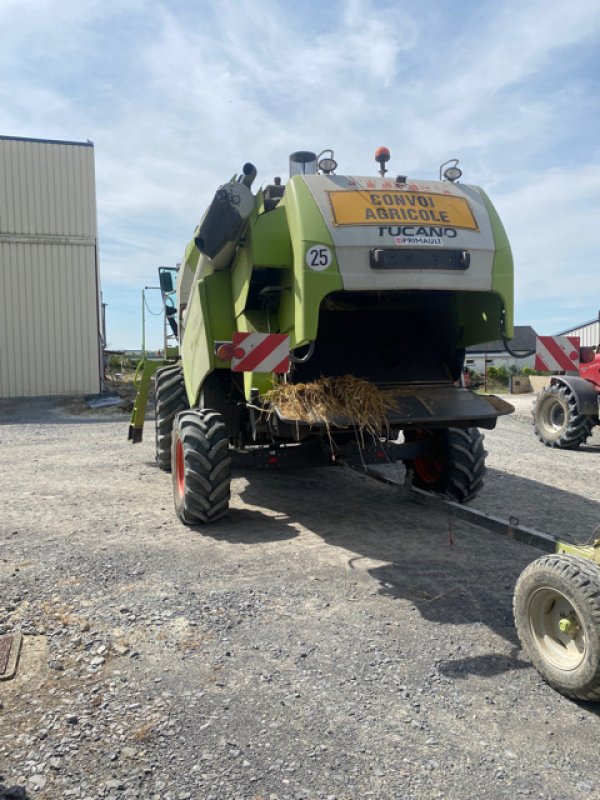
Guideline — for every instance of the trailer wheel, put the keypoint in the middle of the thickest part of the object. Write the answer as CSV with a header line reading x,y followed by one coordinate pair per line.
x,y
169,398
459,468
201,466
556,421
557,614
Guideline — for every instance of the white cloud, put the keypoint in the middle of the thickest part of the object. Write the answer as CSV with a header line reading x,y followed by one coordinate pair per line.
x,y
552,223
177,97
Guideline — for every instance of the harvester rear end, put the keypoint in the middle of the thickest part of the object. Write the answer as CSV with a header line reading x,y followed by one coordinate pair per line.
x,y
327,319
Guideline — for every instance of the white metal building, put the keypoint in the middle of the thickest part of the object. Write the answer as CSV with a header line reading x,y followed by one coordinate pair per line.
x,y
588,332
50,320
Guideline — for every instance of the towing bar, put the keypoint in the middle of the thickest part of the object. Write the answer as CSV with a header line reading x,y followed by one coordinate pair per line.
x,y
505,527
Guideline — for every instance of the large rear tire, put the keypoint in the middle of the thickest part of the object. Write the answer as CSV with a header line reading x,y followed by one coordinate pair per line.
x,y
201,466
557,614
458,469
169,399
556,420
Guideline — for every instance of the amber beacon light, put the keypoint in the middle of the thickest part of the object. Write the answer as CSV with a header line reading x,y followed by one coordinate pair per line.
x,y
382,156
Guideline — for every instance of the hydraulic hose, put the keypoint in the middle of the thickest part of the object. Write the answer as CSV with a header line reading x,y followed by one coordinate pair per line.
x,y
506,343
303,359
514,353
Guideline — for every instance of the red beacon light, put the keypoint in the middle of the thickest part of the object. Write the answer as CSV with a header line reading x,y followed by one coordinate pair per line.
x,y
225,351
382,156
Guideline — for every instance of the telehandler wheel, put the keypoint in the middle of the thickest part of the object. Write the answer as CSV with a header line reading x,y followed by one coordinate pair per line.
x,y
201,466
556,421
557,614
459,469
169,398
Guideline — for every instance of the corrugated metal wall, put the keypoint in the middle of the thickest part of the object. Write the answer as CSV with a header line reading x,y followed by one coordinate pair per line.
x,y
49,288
589,334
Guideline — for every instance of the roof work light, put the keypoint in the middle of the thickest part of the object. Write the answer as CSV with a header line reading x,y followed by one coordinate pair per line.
x,y
452,172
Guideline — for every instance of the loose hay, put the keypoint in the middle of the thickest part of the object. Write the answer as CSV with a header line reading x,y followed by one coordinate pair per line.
x,y
333,400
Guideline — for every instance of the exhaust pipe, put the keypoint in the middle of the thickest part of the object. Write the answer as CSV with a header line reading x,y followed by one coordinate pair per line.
x,y
248,174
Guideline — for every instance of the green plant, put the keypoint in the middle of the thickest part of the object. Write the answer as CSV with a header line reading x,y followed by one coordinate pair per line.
x,y
530,371
115,362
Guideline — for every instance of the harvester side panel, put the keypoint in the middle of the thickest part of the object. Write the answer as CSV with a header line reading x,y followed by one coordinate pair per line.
x,y
502,272
209,319
271,244
307,229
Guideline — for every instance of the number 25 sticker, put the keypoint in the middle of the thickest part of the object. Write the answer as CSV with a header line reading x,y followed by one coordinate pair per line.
x,y
318,257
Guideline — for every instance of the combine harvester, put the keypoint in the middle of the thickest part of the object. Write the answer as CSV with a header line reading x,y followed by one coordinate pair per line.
x,y
325,321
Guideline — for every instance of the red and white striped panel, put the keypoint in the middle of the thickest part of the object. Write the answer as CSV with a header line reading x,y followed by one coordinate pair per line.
x,y
260,352
557,353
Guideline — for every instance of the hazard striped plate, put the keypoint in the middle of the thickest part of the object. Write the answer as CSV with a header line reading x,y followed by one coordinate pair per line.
x,y
557,353
260,352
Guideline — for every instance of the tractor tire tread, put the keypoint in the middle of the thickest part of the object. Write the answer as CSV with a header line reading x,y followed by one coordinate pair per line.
x,y
207,466
583,577
467,463
577,427
169,399
463,469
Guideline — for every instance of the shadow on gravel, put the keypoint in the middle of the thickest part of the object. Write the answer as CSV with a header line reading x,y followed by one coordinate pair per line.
x,y
56,411
588,448
539,506
485,666
13,793
247,526
468,583
479,592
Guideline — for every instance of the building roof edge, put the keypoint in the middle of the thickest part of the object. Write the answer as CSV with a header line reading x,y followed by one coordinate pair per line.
x,y
45,141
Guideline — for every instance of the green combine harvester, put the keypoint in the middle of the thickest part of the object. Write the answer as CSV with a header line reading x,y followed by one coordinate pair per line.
x,y
326,320
384,279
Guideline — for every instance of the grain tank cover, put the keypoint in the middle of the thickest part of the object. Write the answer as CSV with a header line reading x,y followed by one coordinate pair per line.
x,y
411,234
222,223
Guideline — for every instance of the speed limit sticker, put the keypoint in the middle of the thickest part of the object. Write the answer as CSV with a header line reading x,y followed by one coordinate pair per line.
x,y
318,257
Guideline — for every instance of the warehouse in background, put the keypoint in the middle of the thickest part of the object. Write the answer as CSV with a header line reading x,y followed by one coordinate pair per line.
x,y
51,331
588,332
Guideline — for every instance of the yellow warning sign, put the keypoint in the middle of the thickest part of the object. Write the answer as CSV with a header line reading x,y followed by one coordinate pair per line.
x,y
378,207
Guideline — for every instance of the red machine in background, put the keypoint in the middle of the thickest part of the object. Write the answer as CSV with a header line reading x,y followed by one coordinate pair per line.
x,y
566,411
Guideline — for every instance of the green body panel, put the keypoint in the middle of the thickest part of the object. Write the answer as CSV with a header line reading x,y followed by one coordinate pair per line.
x,y
266,244
591,552
240,280
270,239
209,319
192,257
480,313
299,312
262,381
279,240
479,316
502,270
143,375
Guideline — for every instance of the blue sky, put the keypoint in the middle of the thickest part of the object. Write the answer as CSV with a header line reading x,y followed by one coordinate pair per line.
x,y
176,96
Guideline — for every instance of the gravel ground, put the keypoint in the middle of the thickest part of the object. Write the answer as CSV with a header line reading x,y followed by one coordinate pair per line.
x,y
323,642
